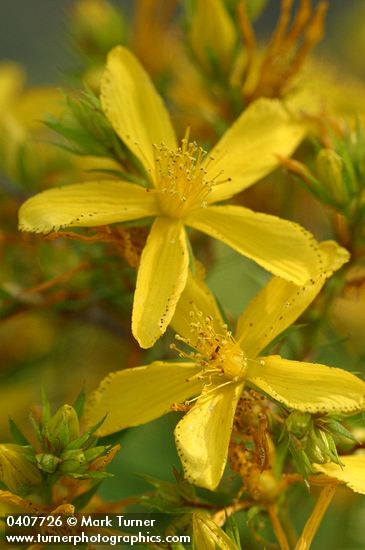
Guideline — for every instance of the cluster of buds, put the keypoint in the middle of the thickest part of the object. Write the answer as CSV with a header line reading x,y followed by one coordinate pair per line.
x,y
312,439
64,451
338,176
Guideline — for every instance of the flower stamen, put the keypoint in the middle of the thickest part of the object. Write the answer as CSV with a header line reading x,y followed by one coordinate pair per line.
x,y
181,178
217,353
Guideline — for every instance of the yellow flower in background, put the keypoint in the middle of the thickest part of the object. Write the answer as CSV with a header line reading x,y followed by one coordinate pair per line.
x,y
324,89
21,112
184,183
220,367
27,156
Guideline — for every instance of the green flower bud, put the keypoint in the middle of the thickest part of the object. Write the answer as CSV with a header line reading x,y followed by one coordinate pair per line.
x,y
299,423
61,428
17,470
97,26
329,167
207,534
47,462
315,454
318,448
212,38
73,462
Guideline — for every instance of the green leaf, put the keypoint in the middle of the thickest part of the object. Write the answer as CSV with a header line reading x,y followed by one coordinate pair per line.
x,y
79,403
336,428
17,434
232,530
169,498
85,440
36,427
91,475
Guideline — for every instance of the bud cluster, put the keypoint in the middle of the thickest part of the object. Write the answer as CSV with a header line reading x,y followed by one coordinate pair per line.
x,y
338,175
312,439
65,451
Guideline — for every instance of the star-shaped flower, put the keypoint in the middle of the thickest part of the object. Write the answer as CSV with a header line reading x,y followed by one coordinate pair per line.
x,y
220,366
183,185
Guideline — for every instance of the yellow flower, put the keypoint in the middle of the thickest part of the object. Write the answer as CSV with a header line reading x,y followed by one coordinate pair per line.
x,y
219,369
184,183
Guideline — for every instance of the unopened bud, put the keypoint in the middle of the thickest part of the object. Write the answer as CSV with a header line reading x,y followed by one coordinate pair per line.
x,y
318,448
298,423
97,26
212,38
73,462
329,167
47,462
61,428
207,534
267,487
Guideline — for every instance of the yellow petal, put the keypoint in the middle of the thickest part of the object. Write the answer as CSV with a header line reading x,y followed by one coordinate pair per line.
x,y
352,471
281,302
134,108
308,387
23,504
86,205
202,436
248,150
280,246
161,279
134,396
196,297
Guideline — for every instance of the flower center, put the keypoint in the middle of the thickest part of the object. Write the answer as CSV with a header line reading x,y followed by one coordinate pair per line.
x,y
217,352
181,178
